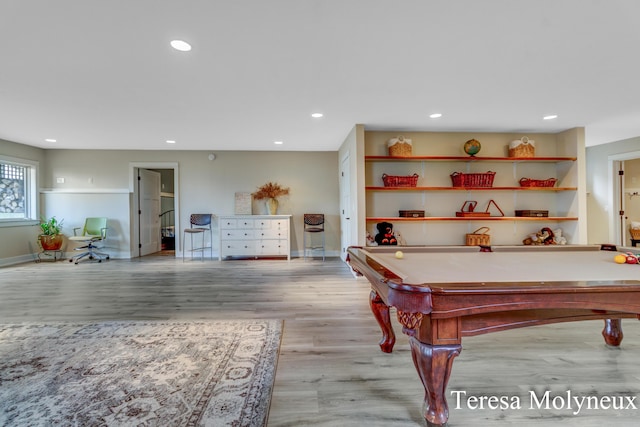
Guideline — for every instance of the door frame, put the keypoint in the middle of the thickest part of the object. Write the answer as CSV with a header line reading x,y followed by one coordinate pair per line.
x,y
176,198
616,228
345,204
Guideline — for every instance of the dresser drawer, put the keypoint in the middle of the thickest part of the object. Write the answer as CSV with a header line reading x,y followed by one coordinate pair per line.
x,y
272,247
246,223
272,224
237,248
280,224
238,234
271,234
226,224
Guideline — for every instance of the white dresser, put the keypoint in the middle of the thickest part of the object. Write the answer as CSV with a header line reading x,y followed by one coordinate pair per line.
x,y
255,236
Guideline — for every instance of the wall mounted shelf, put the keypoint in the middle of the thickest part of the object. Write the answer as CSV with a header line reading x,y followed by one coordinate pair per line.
x,y
471,188
468,159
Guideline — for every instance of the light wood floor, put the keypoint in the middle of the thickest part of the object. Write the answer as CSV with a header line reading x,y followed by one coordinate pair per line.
x,y
330,371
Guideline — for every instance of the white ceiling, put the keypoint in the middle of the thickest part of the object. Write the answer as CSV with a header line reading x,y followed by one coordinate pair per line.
x,y
101,74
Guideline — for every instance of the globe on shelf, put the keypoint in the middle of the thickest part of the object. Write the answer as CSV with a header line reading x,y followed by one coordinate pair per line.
x,y
472,147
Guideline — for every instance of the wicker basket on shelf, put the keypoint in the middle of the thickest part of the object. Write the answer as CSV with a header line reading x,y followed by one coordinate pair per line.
x,y
400,181
523,147
400,147
480,237
528,182
635,233
462,179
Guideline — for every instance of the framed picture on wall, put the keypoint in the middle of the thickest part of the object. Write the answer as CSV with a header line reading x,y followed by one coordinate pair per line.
x,y
243,203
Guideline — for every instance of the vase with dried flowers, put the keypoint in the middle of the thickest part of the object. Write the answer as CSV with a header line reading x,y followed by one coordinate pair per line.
x,y
271,191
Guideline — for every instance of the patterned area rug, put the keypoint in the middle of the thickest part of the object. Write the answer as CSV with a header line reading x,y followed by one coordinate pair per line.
x,y
165,373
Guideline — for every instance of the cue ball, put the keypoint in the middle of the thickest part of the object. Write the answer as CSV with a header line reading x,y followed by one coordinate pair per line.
x,y
399,254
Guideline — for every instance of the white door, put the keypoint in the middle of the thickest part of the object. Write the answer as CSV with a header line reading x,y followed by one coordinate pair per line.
x,y
149,184
345,207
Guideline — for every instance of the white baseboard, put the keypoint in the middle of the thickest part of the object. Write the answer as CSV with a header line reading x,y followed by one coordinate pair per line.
x,y
20,259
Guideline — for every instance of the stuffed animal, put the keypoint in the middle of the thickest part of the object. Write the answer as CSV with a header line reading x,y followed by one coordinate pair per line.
x,y
370,240
558,238
385,234
546,236
537,238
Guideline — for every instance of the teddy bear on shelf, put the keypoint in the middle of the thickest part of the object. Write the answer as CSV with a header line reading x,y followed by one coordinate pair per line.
x,y
385,234
546,236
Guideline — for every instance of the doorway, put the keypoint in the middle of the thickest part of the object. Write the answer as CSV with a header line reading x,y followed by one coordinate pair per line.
x,y
625,194
154,212
345,206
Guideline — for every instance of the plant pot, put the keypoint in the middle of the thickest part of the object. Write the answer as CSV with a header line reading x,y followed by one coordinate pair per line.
x,y
51,243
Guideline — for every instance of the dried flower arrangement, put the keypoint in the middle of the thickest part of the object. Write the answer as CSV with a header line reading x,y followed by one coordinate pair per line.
x,y
270,190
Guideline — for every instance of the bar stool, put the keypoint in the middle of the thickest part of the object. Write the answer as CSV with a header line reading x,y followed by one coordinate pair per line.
x,y
199,224
313,223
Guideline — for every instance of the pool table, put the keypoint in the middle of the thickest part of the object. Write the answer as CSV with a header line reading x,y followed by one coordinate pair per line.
x,y
442,294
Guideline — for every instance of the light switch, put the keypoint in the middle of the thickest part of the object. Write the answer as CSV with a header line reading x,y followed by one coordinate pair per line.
x,y
60,180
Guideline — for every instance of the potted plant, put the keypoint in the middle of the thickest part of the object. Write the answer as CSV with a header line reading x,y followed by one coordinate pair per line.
x,y
271,191
51,237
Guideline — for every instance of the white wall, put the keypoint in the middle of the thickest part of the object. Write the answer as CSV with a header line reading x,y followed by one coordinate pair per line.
x,y
600,210
96,183
76,206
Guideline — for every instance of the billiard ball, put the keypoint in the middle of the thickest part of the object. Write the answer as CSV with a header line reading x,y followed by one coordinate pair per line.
x,y
620,259
399,254
631,259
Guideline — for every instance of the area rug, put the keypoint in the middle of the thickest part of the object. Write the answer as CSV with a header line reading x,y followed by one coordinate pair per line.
x,y
143,373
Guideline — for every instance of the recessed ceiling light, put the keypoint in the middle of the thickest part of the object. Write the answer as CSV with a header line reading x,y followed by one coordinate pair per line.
x,y
180,45
550,117
170,141
435,115
50,140
278,142
317,115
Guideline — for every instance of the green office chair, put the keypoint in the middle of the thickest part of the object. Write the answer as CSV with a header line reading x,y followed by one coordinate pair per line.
x,y
94,231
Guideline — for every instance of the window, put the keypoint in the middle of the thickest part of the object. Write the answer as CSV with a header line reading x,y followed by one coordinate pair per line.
x,y
18,195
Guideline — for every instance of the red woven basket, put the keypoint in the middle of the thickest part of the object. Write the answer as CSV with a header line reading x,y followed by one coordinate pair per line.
x,y
527,182
400,181
461,179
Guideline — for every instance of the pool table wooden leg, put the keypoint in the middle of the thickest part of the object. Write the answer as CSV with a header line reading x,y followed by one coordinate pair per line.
x,y
381,312
612,332
433,363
